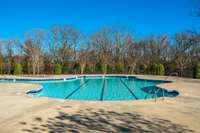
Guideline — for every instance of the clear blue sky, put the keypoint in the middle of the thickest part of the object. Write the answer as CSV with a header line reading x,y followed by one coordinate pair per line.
x,y
145,17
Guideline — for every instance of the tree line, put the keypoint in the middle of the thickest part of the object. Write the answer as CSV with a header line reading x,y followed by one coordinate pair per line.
x,y
65,50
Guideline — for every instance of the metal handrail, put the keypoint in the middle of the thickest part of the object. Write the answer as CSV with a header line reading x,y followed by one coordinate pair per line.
x,y
148,94
163,91
156,92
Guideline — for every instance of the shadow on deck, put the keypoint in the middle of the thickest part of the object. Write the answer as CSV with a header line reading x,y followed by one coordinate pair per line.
x,y
102,121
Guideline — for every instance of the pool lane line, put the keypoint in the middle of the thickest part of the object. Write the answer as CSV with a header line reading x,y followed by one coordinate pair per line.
x,y
129,89
103,90
76,89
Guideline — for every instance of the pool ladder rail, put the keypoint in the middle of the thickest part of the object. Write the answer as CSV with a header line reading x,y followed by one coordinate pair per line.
x,y
163,90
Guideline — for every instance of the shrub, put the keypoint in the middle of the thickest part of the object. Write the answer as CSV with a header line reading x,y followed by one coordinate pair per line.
x,y
197,71
98,67
49,68
143,68
87,69
17,69
109,69
57,69
148,70
76,68
13,64
65,69
153,69
160,69
119,68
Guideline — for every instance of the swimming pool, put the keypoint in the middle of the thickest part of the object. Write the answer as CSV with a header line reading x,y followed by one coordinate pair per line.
x,y
101,88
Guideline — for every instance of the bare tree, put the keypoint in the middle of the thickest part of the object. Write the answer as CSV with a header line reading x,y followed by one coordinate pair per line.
x,y
33,50
83,54
54,44
62,43
83,59
133,54
107,51
10,50
183,47
121,40
102,42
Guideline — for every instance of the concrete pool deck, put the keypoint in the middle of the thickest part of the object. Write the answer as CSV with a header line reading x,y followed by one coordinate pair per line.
x,y
21,113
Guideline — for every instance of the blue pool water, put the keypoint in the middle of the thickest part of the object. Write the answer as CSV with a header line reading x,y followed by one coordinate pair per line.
x,y
101,89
